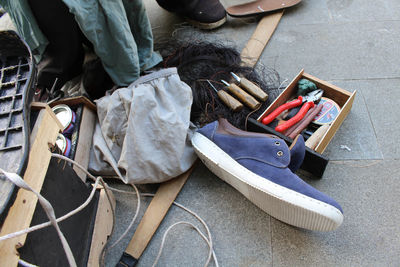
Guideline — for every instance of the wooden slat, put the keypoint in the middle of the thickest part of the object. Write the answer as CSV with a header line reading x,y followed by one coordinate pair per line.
x,y
73,101
21,212
336,124
102,228
155,213
85,140
255,46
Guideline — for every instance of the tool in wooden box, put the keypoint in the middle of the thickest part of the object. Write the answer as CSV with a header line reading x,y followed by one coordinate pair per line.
x,y
307,102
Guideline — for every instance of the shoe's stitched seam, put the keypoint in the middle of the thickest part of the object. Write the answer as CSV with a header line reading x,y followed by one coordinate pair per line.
x,y
278,186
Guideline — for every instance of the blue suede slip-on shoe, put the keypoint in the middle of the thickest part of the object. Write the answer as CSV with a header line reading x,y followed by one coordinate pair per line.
x,y
256,165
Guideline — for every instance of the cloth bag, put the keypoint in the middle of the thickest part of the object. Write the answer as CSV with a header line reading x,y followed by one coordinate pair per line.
x,y
144,130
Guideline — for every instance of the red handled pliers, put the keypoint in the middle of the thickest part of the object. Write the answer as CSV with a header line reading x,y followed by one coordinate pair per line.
x,y
308,99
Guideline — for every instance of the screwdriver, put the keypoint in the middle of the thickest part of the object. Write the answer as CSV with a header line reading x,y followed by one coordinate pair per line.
x,y
251,87
244,97
228,100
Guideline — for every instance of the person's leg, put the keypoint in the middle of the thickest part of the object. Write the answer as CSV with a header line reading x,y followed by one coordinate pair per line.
x,y
204,14
64,55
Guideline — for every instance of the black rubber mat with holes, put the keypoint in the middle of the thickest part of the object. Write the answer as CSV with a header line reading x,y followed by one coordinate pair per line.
x,y
17,79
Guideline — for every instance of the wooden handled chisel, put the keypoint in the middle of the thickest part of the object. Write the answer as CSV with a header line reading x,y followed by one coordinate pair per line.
x,y
227,99
244,97
250,87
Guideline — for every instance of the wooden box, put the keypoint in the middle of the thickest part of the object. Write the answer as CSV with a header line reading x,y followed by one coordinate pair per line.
x,y
86,232
83,133
314,162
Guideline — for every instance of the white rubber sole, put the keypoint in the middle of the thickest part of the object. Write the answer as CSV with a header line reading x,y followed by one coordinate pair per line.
x,y
280,202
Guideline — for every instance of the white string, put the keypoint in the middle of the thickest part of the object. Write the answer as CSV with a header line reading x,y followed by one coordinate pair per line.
x,y
208,241
282,84
165,236
60,219
132,221
48,208
106,187
26,264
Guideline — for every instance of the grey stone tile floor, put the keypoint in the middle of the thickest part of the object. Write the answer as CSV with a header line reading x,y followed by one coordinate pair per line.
x,y
353,44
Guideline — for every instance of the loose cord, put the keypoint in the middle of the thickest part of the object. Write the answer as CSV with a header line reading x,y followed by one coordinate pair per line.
x,y
106,187
48,208
208,241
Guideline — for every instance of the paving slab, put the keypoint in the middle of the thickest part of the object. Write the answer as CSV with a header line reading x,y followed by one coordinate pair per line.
x,y
356,50
370,233
354,45
240,230
356,138
382,98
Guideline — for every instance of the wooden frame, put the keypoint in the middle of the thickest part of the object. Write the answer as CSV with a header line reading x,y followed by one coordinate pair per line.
x,y
342,97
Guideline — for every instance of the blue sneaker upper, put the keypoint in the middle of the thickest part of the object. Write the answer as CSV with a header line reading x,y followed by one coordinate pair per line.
x,y
297,153
269,157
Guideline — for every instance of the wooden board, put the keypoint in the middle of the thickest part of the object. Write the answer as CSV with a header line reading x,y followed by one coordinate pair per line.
x,y
155,213
103,227
73,101
20,214
255,46
85,138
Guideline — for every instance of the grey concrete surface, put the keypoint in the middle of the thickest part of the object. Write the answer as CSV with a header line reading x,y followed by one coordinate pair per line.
x,y
353,44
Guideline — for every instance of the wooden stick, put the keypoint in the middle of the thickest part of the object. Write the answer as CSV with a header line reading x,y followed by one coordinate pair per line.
x,y
152,218
255,46
21,212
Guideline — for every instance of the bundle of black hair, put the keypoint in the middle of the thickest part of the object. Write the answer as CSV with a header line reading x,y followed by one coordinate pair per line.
x,y
202,61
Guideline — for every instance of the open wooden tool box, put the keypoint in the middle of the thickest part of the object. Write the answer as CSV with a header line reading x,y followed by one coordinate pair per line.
x,y
66,189
314,162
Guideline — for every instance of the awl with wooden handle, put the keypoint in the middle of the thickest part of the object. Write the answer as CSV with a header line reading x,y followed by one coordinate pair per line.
x,y
250,87
244,97
228,100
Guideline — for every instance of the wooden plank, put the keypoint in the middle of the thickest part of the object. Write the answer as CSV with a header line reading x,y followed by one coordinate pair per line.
x,y
255,46
21,212
39,105
155,213
336,124
102,228
85,140
73,101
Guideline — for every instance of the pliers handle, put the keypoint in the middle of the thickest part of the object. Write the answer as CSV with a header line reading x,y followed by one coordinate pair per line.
x,y
309,100
289,123
292,104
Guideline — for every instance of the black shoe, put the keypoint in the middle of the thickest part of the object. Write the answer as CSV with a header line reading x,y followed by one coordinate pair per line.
x,y
204,14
